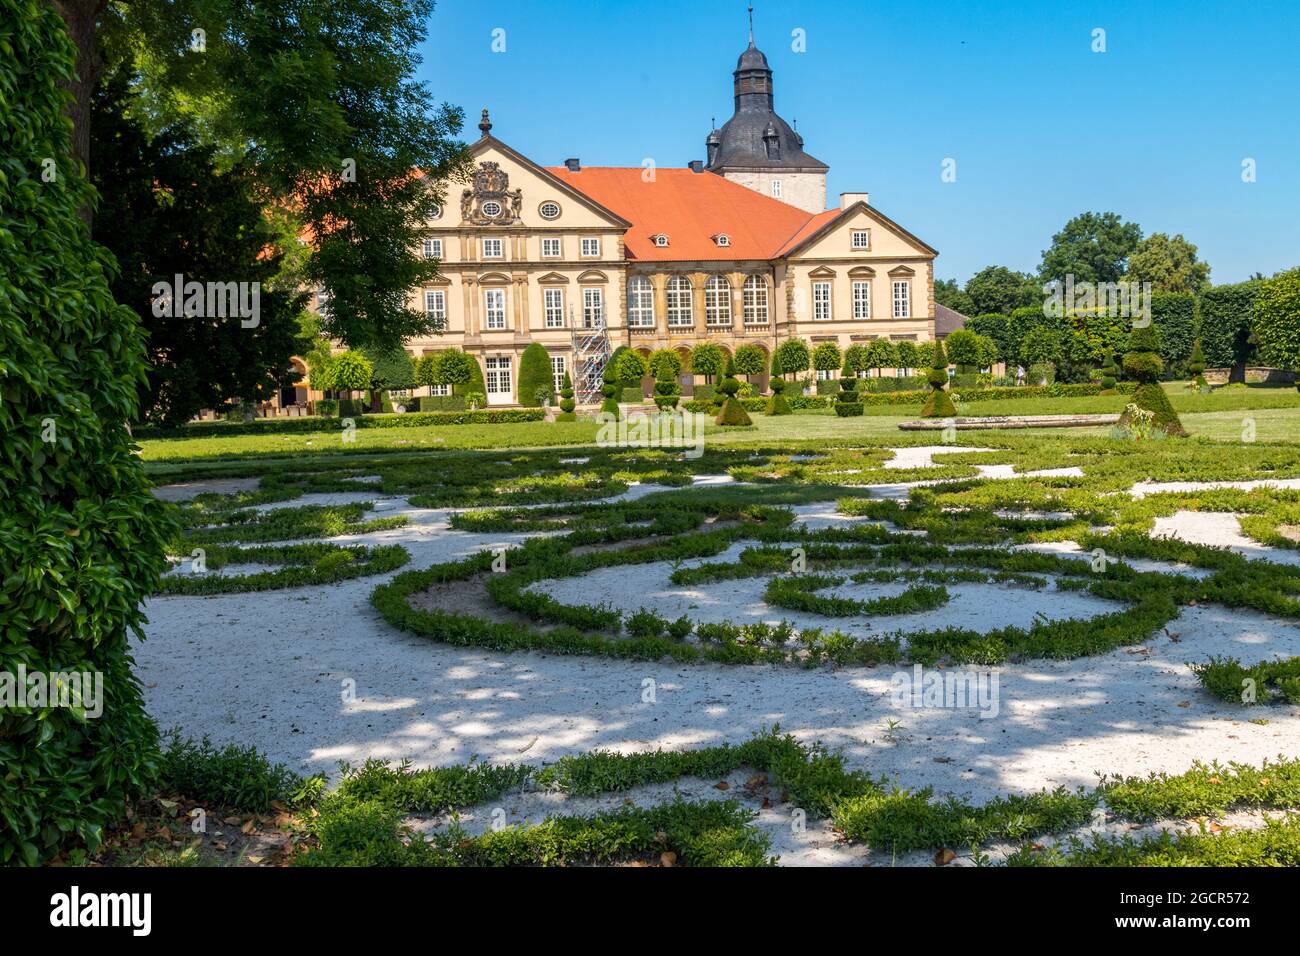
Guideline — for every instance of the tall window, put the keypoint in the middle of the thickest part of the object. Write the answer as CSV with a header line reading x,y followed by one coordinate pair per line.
x,y
822,301
494,308
755,300
553,300
862,300
433,249
717,302
776,189
680,306
591,247
550,248
491,248
640,303
557,371
593,307
322,302
902,299
497,378
435,306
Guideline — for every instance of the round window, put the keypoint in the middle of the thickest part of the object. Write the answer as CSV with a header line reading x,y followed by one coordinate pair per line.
x,y
491,209
436,212
550,210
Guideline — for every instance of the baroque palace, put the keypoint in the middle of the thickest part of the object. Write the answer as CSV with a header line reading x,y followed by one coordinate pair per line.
x,y
733,249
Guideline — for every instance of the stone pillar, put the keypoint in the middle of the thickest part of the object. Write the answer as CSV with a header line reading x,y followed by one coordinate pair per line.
x,y
660,282
697,301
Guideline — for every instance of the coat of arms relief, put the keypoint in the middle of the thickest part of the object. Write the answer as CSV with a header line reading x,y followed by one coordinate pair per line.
x,y
491,201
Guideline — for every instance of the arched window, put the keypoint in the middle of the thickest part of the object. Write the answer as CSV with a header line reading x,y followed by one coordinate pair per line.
x,y
717,302
679,302
640,303
755,295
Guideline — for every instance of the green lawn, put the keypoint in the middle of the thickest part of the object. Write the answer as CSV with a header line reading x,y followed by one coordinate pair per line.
x,y
1226,415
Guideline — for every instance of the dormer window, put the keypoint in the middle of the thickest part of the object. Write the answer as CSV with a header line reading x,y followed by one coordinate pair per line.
x,y
661,240
722,239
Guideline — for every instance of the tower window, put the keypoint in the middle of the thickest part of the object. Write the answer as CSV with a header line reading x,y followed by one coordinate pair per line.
x,y
776,189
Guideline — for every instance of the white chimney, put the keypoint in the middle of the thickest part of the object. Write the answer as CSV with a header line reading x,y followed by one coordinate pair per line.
x,y
848,199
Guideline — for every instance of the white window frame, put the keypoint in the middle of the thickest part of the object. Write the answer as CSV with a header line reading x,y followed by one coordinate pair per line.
x,y
640,303
432,248
494,367
593,306
590,247
776,189
492,215
489,245
494,309
555,251
861,239
717,303
661,241
322,302
541,210
754,304
435,305
822,295
440,390
903,301
553,306
559,365
862,299
680,297
722,240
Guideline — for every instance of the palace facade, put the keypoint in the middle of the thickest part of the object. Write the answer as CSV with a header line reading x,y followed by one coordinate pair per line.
x,y
733,249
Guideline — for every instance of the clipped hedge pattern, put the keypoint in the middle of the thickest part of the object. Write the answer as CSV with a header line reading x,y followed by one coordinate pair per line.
x,y
486,416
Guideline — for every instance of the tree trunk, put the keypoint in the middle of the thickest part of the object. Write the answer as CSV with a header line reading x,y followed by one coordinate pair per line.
x,y
79,16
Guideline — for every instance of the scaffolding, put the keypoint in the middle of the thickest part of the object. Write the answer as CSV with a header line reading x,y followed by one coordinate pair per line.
x,y
591,353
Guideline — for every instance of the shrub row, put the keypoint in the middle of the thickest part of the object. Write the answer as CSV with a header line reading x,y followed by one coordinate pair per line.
x,y
489,416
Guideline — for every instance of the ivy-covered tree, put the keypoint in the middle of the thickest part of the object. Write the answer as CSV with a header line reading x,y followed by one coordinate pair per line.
x,y
82,539
1142,362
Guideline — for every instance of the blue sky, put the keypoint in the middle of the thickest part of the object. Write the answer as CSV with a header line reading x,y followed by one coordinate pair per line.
x,y
1040,126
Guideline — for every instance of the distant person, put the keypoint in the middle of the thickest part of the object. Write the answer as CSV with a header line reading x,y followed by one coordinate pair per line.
x,y
1020,375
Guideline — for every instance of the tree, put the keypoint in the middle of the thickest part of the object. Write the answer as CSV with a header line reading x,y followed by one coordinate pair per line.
x,y
881,354
1276,325
610,388
428,369
732,411
567,404
349,372
750,360
1196,368
1143,363
963,349
1227,316
536,380
996,289
939,403
909,356
995,326
667,388
661,358
319,99
390,368
1041,346
1170,265
1093,247
706,360
164,211
948,293
631,369
1109,373
987,350
794,356
855,360
826,357
777,404
82,539
848,403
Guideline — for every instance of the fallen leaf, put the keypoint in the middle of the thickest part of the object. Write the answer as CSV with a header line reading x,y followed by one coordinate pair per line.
x,y
944,857
722,785
254,859
668,858
248,827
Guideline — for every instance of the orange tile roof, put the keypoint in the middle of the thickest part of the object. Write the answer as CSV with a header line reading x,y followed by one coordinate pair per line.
x,y
690,208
